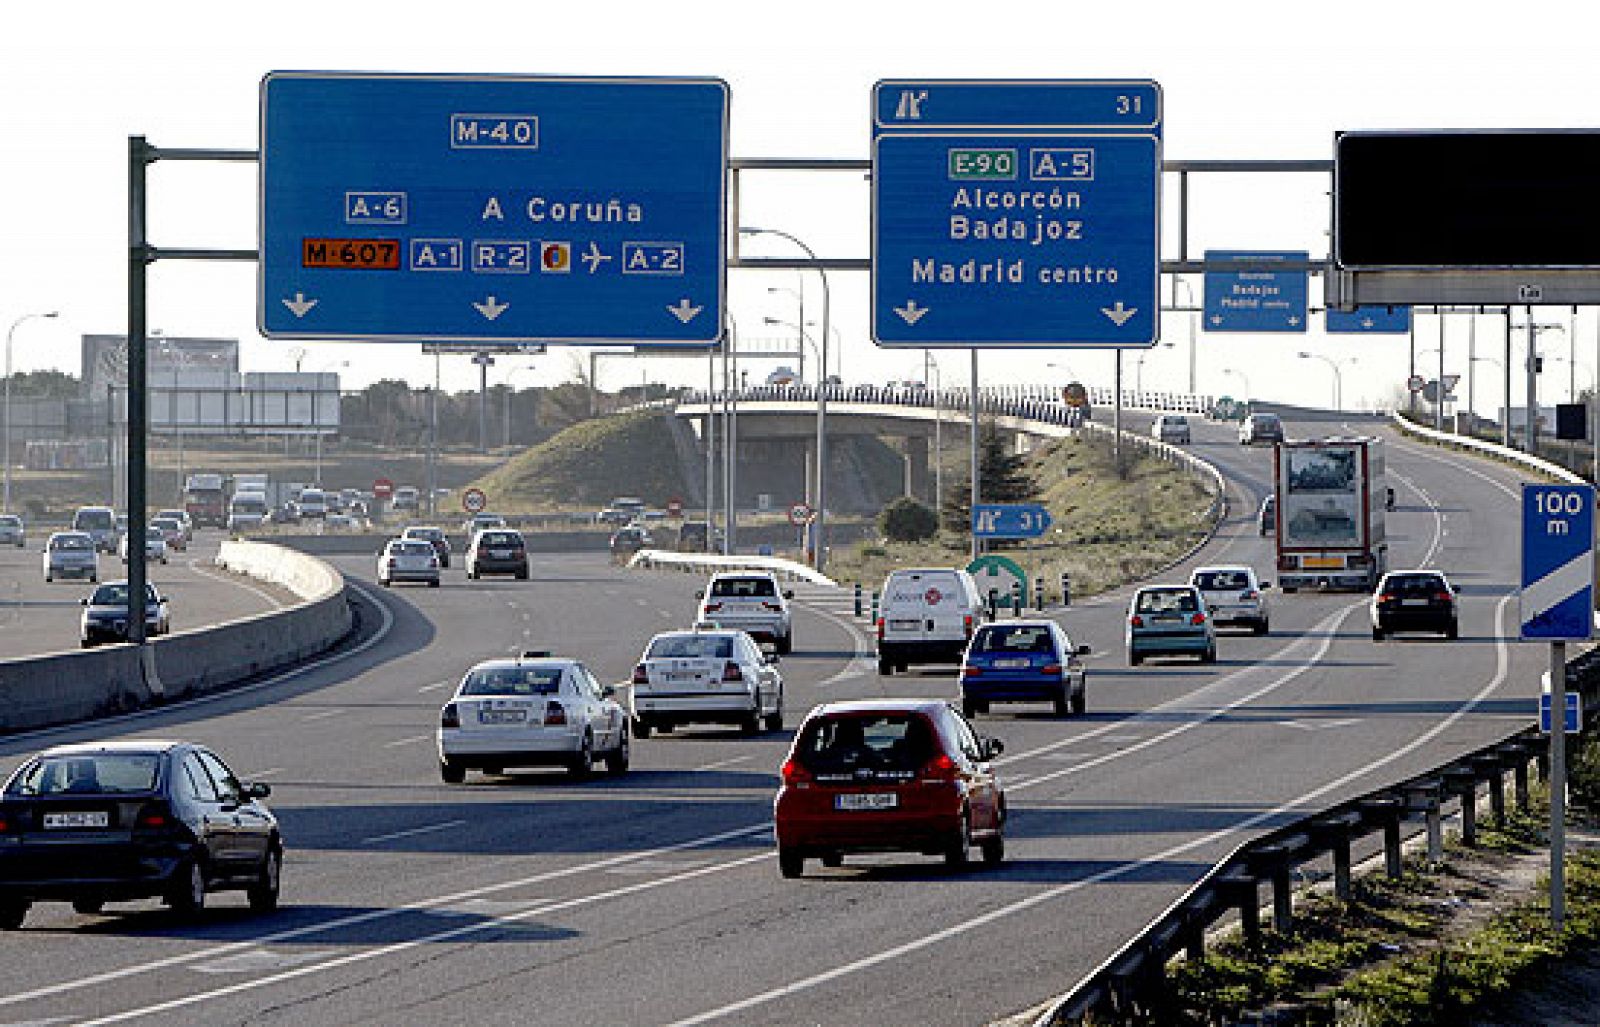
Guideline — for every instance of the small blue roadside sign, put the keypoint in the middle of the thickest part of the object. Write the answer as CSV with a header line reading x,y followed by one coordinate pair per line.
x,y
1010,520
492,208
1012,213
1574,713
1369,320
1265,300
1557,599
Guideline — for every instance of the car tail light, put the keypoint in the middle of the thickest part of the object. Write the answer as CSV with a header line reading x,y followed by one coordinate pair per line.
x,y
880,629
1250,596
5,824
966,624
450,716
794,774
1443,597
1136,620
1386,597
554,714
641,676
713,607
969,671
1050,668
940,768
731,672
771,606
153,817
1198,618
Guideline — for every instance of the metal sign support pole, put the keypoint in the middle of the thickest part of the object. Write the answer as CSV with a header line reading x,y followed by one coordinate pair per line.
x,y
1411,372
977,492
1505,419
1558,783
1116,417
1438,406
1532,433
139,157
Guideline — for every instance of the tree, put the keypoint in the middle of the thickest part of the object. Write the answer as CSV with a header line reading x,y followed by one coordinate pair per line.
x,y
47,384
1003,476
906,520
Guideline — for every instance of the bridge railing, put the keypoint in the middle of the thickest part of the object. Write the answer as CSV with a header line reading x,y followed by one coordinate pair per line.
x,y
990,398
714,563
1494,450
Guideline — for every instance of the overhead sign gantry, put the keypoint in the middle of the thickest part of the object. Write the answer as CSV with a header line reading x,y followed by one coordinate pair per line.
x,y
493,208
1016,213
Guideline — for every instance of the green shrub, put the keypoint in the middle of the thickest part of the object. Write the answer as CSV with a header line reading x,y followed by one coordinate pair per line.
x,y
1584,775
906,520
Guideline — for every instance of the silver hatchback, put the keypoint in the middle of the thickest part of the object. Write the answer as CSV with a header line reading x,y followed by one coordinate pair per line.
x,y
70,554
12,531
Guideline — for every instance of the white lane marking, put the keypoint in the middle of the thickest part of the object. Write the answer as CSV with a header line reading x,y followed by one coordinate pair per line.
x,y
413,740
1438,520
237,580
412,832
1320,725
434,687
487,924
722,763
439,902
322,715
258,775
259,961
1124,869
862,662
199,700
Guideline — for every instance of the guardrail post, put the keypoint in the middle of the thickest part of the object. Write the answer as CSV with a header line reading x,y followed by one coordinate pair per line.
x,y
1492,769
994,603
1464,784
1038,593
1016,598
1424,796
1519,784
1387,810
874,606
1066,589
858,599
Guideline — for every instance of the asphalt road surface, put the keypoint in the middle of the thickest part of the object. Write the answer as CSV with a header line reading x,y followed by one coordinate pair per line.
x,y
655,897
38,617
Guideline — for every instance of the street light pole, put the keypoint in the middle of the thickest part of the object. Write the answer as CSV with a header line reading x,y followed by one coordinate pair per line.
x,y
1338,383
5,447
820,536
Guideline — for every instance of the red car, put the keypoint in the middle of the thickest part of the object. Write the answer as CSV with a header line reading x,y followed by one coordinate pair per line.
x,y
888,775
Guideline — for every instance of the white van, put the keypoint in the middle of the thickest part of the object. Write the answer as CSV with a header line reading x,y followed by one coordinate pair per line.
x,y
926,616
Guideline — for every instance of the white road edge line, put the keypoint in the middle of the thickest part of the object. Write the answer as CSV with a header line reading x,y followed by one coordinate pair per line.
x,y
722,763
413,740
411,832
237,580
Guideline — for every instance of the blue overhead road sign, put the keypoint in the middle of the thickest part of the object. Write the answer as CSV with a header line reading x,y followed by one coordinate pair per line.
x,y
1010,520
492,208
1016,213
1265,300
1370,320
1557,601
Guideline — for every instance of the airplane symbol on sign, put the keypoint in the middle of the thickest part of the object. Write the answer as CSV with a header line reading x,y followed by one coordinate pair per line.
x,y
594,258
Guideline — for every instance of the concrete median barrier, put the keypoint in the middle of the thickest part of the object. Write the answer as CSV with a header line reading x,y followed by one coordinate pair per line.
x,y
64,687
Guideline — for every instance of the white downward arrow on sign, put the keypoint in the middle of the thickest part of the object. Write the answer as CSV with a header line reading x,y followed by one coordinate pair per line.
x,y
299,306
911,313
490,309
1119,314
684,311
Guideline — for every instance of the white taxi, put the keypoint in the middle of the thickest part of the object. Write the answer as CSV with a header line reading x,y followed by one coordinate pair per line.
x,y
753,603
706,676
535,710
1234,595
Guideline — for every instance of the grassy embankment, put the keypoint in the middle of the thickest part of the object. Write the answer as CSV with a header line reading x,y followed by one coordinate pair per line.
x,y
1107,530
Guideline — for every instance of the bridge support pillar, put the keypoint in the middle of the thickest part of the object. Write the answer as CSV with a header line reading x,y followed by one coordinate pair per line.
x,y
917,483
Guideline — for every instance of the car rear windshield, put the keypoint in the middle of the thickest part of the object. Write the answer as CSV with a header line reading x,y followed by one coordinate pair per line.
x,y
691,647
1167,600
1027,639
72,542
92,774
500,538
513,681
1221,581
411,548
92,520
743,588
11,520
426,534
881,742
1414,584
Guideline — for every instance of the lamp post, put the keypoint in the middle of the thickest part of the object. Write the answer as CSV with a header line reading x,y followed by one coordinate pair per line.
x,y
5,503
506,432
820,536
930,369
799,295
316,421
805,337
1338,379
1188,291
1246,382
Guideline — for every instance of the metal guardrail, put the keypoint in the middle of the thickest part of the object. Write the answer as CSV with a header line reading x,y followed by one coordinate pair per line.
x,y
1490,449
712,563
1131,985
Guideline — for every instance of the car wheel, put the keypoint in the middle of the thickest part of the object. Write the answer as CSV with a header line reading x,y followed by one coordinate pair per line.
x,y
1209,656
774,720
1377,634
94,579
582,764
790,862
994,850
885,668
665,726
641,728
785,645
384,582
956,855
263,895
1262,627
750,724
969,708
522,575
1453,631
833,860
451,772
1062,704
1080,699
1134,659
12,913
88,905
433,583
617,761
48,579
187,895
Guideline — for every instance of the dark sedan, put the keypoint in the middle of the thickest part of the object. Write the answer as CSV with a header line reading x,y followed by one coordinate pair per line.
x,y
1418,600
106,822
498,551
105,614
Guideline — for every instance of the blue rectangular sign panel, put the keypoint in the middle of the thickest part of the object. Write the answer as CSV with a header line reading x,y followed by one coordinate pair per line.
x,y
1016,214
1370,320
494,208
1010,520
1267,300
1573,718
1557,600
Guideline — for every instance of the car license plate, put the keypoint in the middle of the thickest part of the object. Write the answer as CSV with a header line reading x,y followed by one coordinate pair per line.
x,y
681,677
500,554
58,820
1413,602
866,800
905,625
1012,664
502,716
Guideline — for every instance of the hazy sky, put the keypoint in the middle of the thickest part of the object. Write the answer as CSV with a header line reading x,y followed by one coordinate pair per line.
x,y
1272,80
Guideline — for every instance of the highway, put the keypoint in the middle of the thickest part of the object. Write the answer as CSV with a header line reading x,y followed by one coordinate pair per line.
x,y
38,617
655,897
